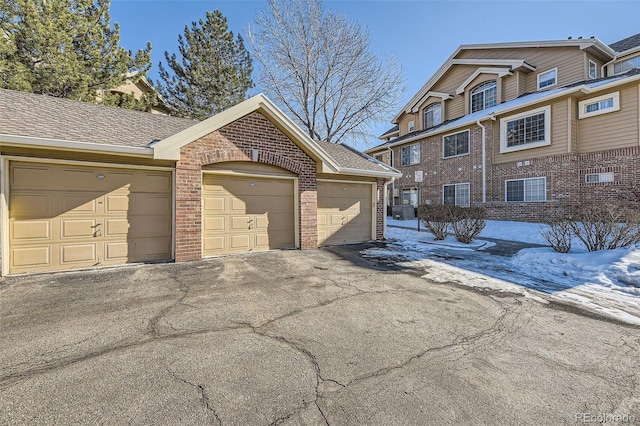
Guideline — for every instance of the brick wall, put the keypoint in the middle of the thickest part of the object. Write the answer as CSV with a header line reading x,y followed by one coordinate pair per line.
x,y
236,142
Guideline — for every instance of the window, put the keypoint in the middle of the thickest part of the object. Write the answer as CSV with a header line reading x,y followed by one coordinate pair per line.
x,y
411,154
599,177
412,126
526,130
384,157
533,189
547,79
457,194
484,96
432,115
593,70
410,196
456,144
599,105
626,65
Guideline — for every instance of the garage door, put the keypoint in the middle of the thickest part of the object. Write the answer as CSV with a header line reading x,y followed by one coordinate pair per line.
x,y
69,217
344,212
245,214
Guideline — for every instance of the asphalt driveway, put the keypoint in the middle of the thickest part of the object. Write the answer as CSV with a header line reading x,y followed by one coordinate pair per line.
x,y
302,337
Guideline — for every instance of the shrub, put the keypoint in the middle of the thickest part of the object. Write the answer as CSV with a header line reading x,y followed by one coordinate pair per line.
x,y
436,219
558,235
467,222
607,227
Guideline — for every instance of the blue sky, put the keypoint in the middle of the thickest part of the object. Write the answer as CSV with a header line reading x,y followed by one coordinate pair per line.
x,y
421,34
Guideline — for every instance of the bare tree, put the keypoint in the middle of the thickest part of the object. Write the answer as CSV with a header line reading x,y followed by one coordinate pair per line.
x,y
320,67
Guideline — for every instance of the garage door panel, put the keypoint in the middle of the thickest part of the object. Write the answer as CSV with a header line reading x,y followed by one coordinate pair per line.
x,y
29,257
213,205
78,228
147,249
31,230
240,242
215,223
78,253
116,203
37,204
146,203
214,244
116,250
80,204
239,223
149,226
116,227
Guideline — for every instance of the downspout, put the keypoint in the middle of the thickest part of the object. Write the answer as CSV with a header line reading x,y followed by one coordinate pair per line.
x,y
393,183
484,161
604,67
385,201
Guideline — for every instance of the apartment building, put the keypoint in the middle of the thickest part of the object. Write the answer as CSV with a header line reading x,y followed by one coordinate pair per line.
x,y
528,130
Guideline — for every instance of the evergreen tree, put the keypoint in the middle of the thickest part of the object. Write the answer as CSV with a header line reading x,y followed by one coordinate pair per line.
x,y
213,74
64,48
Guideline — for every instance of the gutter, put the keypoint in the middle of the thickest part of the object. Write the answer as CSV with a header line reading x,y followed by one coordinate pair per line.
x,y
33,142
484,161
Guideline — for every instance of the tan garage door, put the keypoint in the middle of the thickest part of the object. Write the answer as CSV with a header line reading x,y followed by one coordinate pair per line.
x,y
344,212
243,214
69,217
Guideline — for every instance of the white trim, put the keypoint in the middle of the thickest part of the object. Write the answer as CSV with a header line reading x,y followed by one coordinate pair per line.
x,y
457,155
547,130
173,214
524,193
555,78
442,95
411,126
501,72
85,163
32,142
614,96
409,146
4,214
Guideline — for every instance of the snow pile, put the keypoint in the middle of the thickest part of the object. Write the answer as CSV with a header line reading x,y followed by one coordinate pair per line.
x,y
606,281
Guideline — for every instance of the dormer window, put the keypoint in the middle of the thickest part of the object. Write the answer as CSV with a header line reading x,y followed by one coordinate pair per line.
x,y
432,115
484,96
548,79
626,65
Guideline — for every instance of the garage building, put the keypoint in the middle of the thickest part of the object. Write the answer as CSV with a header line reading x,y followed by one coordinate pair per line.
x,y
86,185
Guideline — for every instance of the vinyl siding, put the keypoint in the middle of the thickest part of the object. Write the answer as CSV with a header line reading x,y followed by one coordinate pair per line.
x,y
568,60
510,87
558,136
403,123
454,108
454,78
614,130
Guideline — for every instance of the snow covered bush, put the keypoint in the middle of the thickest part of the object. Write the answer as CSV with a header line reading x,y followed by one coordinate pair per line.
x,y
436,219
467,222
607,227
558,235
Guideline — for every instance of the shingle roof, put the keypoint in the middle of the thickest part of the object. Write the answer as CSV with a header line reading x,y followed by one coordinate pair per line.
x,y
392,130
41,116
351,158
626,43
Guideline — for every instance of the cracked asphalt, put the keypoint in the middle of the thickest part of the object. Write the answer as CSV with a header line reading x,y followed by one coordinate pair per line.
x,y
302,337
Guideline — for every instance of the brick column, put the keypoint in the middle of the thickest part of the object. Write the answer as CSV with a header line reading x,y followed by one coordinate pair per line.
x,y
188,212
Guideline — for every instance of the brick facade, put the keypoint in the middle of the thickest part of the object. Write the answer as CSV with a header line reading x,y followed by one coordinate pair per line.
x,y
237,142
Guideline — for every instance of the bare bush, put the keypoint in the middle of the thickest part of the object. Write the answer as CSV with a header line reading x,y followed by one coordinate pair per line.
x,y
467,222
607,227
558,235
436,218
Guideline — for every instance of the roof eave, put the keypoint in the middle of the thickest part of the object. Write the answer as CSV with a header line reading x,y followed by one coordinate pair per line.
x,y
66,145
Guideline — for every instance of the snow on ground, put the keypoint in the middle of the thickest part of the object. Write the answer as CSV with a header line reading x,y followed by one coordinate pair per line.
x,y
606,281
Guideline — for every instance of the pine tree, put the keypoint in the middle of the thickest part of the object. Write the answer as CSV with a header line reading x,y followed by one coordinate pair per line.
x,y
64,48
214,72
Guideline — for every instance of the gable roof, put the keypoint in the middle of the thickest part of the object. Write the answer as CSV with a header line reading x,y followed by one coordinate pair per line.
x,y
626,43
47,118
451,61
350,159
529,99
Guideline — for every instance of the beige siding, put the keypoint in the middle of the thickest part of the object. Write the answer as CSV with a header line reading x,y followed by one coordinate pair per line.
x,y
614,130
568,60
522,82
454,108
509,88
403,123
558,136
573,125
454,78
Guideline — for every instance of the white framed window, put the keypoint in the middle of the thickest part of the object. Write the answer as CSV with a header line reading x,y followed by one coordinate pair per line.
x,y
593,70
457,194
411,154
455,144
599,177
599,105
626,65
484,96
526,130
527,190
547,78
410,196
432,115
411,126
